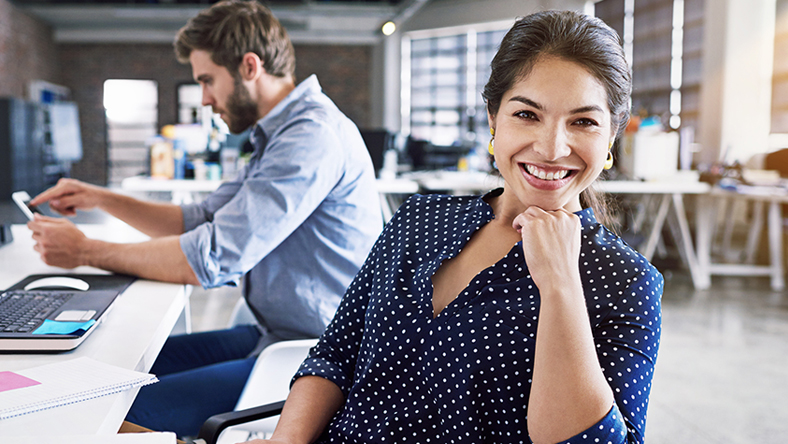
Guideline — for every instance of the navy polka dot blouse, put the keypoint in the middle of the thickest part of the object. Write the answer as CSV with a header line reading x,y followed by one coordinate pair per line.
x,y
465,375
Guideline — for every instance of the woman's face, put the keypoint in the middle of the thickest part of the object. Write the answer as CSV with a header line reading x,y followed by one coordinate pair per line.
x,y
552,133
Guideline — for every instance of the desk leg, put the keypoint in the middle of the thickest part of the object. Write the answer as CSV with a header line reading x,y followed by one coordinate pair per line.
x,y
656,229
385,207
686,240
184,323
776,245
704,227
754,235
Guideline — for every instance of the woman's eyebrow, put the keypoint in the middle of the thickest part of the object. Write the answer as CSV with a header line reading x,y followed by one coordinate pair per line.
x,y
526,101
586,109
531,103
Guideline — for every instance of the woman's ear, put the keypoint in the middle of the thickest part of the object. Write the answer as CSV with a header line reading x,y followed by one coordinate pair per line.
x,y
251,66
491,120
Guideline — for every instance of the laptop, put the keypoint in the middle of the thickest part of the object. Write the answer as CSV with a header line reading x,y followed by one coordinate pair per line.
x,y
56,312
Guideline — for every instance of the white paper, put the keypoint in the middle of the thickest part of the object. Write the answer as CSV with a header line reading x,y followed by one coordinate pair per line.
x,y
67,382
123,438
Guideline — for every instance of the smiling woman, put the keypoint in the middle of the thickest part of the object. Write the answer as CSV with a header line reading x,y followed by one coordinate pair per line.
x,y
552,131
509,316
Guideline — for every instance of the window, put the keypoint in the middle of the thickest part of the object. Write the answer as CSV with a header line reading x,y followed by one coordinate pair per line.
x,y
131,108
444,73
663,41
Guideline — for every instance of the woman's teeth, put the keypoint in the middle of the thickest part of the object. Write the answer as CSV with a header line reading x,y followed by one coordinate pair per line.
x,y
536,172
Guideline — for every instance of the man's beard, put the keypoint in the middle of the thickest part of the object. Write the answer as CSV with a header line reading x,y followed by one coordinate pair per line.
x,y
241,109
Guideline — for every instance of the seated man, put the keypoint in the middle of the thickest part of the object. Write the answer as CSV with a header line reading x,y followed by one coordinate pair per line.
x,y
295,224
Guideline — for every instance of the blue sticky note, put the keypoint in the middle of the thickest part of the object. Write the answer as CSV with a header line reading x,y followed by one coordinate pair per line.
x,y
50,327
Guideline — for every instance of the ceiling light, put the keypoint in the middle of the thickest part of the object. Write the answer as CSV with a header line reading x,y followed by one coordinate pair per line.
x,y
388,28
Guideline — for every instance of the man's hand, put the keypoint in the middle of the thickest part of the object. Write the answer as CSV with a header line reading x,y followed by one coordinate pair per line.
x,y
58,241
69,195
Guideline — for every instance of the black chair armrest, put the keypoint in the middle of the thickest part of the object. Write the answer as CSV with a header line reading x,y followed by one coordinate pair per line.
x,y
213,426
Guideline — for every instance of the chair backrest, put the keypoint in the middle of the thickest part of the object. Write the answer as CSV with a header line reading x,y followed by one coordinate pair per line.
x,y
270,379
777,160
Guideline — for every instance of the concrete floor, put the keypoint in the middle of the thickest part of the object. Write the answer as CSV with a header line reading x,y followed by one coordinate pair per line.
x,y
722,371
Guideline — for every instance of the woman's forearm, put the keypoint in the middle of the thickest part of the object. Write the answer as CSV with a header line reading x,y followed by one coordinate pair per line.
x,y
569,392
311,404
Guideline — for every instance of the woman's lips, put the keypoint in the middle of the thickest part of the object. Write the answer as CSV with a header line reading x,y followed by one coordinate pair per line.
x,y
546,178
546,174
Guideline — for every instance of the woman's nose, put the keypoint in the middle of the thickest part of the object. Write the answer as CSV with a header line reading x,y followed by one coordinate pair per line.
x,y
553,144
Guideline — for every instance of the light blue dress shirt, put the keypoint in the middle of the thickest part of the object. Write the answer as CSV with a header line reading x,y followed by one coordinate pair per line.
x,y
297,223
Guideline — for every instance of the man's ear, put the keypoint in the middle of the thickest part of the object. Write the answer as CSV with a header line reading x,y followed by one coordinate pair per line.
x,y
251,66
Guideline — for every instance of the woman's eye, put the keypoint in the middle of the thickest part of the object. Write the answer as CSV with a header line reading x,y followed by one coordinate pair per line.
x,y
526,115
586,122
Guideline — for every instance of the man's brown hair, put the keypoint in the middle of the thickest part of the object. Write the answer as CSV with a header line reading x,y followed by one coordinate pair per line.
x,y
231,28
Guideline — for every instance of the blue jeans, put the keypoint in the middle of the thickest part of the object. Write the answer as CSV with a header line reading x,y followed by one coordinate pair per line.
x,y
200,375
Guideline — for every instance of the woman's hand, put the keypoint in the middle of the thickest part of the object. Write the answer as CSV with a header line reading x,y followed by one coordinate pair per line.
x,y
551,244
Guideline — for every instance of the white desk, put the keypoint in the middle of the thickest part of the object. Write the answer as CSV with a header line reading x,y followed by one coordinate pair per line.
x,y
183,191
455,182
186,190
392,193
131,337
671,193
774,198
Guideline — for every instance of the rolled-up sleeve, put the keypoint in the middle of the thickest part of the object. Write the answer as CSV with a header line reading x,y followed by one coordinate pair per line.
x,y
246,219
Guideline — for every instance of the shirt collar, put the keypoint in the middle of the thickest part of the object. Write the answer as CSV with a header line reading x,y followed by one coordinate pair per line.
x,y
278,114
586,215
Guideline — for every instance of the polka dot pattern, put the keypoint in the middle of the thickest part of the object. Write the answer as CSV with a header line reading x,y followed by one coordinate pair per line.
x,y
465,375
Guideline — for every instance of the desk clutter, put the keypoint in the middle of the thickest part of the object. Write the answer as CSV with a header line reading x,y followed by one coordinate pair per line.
x,y
63,383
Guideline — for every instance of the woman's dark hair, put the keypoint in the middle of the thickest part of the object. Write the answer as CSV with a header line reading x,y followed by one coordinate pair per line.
x,y
571,36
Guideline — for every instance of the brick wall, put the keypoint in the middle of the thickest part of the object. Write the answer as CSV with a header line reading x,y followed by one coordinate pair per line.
x,y
87,66
27,52
343,72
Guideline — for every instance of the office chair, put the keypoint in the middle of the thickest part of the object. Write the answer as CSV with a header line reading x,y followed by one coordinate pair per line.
x,y
269,382
216,424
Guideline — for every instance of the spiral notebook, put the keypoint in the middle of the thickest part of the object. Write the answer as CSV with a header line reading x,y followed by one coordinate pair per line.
x,y
63,383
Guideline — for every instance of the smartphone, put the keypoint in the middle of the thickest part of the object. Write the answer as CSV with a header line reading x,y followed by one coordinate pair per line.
x,y
22,199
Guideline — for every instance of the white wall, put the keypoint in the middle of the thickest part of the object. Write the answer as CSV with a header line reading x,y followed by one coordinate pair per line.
x,y
738,54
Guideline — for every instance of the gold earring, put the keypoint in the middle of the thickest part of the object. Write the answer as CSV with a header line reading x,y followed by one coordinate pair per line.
x,y
491,145
609,161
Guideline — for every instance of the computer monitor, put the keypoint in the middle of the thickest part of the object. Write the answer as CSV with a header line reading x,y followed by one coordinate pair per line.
x,y
377,141
66,135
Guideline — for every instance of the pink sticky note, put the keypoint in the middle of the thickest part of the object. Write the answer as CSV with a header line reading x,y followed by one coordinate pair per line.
x,y
11,381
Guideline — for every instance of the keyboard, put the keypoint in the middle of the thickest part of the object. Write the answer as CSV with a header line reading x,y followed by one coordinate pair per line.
x,y
24,311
